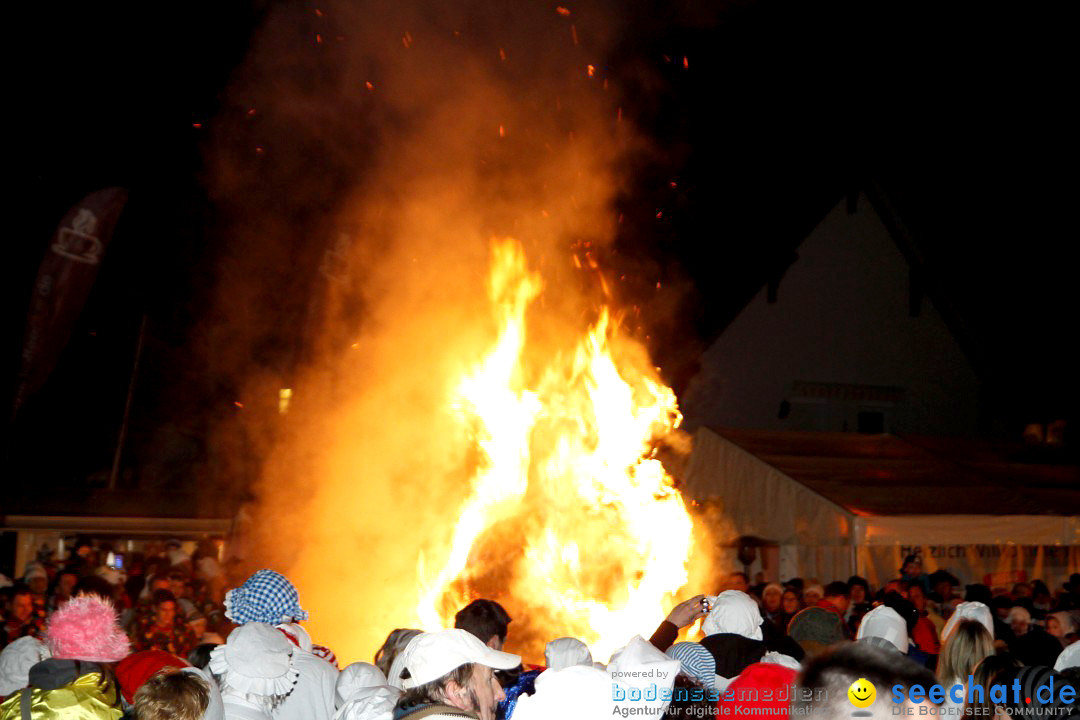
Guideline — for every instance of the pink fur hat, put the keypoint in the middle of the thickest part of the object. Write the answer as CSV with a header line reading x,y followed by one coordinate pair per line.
x,y
87,628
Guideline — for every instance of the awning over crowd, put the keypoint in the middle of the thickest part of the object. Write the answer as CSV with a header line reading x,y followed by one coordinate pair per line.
x,y
38,535
837,504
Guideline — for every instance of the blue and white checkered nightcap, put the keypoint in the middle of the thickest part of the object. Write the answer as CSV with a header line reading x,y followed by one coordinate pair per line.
x,y
265,597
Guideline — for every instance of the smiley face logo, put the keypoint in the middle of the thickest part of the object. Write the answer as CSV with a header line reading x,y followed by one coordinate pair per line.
x,y
862,693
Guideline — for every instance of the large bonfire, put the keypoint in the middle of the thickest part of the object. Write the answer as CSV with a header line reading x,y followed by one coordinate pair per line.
x,y
566,477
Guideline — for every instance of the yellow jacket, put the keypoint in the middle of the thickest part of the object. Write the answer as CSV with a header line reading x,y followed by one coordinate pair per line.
x,y
82,699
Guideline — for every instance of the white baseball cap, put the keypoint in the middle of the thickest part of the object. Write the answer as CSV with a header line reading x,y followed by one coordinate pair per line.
x,y
431,655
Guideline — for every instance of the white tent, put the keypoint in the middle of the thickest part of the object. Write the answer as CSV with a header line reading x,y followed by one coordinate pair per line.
x,y
835,504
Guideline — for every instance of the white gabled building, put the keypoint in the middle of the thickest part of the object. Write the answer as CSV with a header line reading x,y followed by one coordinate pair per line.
x,y
845,340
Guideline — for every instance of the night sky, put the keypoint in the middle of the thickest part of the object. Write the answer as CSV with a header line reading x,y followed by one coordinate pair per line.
x,y
784,108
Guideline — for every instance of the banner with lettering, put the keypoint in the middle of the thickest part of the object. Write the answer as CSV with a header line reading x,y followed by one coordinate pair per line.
x,y
995,565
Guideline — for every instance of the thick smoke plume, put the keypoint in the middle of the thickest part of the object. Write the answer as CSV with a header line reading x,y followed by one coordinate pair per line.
x,y
384,147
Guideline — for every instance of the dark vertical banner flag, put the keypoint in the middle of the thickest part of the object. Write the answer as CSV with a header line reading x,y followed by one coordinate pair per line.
x,y
63,283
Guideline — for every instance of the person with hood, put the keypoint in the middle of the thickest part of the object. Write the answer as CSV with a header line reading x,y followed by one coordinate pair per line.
x,y
883,627
578,692
15,662
906,610
268,597
733,634
639,667
565,652
639,670
732,629
362,694
255,670
970,610
85,640
371,703
357,676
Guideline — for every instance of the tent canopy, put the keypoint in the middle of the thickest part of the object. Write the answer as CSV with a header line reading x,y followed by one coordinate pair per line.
x,y
889,475
824,496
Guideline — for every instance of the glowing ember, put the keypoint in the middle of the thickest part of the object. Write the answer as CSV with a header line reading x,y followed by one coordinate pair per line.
x,y
567,474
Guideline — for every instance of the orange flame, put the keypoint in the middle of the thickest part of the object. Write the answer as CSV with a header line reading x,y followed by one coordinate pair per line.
x,y
567,459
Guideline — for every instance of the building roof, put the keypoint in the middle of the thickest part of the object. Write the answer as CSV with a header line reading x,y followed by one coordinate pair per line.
x,y
914,475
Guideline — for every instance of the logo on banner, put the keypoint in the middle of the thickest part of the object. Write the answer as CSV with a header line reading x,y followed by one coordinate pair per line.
x,y
79,242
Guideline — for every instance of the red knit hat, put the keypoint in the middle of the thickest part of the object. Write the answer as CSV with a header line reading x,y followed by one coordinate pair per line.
x,y
762,685
134,670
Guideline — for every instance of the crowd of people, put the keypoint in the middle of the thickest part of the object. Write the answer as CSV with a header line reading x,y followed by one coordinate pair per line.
x,y
167,640
168,600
